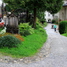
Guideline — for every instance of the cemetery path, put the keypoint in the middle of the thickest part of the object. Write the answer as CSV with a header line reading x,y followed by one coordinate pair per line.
x,y
56,55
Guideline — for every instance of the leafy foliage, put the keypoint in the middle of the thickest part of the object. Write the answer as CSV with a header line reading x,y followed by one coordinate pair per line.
x,y
63,27
19,37
40,16
38,25
13,4
54,21
53,6
25,29
29,47
5,34
14,35
9,41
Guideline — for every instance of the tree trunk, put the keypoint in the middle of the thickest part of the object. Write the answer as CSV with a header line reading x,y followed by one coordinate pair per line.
x,y
34,23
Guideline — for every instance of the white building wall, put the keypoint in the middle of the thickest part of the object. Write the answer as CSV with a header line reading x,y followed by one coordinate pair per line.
x,y
65,2
48,16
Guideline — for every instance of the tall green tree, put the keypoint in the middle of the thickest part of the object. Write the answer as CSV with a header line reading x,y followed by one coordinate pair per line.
x,y
14,4
41,16
53,6
36,6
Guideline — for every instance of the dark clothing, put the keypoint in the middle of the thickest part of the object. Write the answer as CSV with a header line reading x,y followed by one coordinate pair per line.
x,y
54,29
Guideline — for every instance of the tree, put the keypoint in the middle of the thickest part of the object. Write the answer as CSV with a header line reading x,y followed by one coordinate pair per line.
x,y
36,6
33,5
54,6
14,4
41,16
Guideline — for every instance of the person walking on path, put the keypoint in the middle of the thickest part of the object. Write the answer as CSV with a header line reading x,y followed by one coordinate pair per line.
x,y
55,26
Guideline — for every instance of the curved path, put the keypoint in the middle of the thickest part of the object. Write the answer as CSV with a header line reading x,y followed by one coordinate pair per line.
x,y
57,53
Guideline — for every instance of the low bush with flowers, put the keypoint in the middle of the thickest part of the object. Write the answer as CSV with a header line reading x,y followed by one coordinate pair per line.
x,y
2,24
15,35
9,41
19,37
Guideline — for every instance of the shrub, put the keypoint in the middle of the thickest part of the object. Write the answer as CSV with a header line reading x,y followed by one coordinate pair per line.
x,y
39,25
15,35
45,24
54,21
19,37
41,30
5,34
63,27
25,29
9,41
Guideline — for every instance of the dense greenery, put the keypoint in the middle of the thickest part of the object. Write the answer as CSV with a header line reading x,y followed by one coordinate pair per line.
x,y
9,41
54,21
41,16
30,44
29,47
63,27
14,4
53,6
25,29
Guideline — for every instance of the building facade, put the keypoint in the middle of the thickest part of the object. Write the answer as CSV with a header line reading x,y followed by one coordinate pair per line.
x,y
63,11
48,16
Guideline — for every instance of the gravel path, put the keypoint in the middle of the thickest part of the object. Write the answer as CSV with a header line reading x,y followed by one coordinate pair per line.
x,y
53,53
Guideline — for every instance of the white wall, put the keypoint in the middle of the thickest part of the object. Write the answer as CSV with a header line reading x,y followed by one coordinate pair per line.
x,y
65,2
48,16
0,2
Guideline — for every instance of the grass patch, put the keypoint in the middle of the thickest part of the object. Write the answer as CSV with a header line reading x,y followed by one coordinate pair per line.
x,y
30,45
65,34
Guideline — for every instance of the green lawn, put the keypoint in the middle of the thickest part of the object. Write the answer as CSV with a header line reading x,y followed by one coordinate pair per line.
x,y
30,45
65,34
